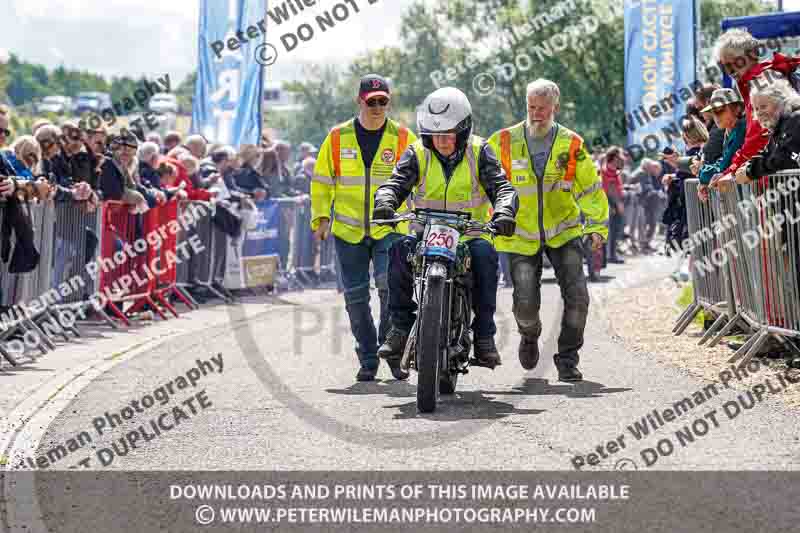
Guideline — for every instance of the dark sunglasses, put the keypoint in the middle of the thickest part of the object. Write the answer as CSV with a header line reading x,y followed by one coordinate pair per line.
x,y
376,102
5,132
31,156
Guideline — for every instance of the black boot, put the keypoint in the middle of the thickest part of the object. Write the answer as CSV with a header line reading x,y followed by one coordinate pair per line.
x,y
486,353
528,352
567,369
394,345
397,372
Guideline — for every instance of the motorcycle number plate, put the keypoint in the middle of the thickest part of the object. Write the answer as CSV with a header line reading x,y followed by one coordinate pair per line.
x,y
443,241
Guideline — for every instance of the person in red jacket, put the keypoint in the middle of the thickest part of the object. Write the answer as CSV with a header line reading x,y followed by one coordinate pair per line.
x,y
610,164
736,51
192,193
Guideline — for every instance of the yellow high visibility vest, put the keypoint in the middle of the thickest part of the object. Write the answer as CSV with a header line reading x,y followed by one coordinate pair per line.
x,y
570,185
462,193
342,182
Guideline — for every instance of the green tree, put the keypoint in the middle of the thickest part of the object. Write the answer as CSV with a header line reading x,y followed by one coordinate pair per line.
x,y
185,92
463,43
713,11
327,99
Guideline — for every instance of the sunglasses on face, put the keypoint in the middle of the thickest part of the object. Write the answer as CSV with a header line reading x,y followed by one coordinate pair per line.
x,y
4,132
378,102
31,157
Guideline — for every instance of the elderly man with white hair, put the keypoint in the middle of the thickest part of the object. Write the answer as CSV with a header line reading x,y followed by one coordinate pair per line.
x,y
557,183
148,155
196,144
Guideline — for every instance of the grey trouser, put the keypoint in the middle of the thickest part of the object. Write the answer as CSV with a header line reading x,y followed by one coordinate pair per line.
x,y
526,272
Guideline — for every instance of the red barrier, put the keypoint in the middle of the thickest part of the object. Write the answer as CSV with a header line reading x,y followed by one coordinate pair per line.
x,y
166,268
134,267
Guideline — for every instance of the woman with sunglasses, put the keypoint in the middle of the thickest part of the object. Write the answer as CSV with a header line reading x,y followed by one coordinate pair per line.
x,y
56,166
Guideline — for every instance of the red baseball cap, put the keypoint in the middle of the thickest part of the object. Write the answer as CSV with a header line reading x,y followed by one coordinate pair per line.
x,y
373,85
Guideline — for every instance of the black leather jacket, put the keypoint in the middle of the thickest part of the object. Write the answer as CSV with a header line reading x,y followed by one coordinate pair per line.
x,y
490,174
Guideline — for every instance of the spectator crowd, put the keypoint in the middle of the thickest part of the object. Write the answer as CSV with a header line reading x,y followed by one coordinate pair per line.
x,y
72,161
730,136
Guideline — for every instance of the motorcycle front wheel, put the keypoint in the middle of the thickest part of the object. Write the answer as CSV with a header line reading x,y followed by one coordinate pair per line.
x,y
429,338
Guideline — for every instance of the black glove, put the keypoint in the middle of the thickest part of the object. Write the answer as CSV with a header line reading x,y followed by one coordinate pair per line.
x,y
504,225
383,212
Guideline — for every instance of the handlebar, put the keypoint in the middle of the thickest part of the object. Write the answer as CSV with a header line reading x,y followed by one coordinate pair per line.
x,y
461,222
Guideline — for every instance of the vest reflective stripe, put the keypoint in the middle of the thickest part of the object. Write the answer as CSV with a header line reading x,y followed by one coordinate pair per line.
x,y
322,179
574,146
588,191
402,142
424,178
452,206
531,190
526,234
378,181
505,152
336,143
352,180
562,227
527,190
555,186
344,219
549,233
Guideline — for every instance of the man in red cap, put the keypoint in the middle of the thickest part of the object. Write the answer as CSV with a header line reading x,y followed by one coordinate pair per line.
x,y
357,157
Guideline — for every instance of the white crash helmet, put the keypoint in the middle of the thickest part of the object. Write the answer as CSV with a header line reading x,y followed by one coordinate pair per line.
x,y
446,110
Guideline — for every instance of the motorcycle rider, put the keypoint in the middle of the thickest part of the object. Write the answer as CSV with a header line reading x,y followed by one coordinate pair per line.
x,y
557,182
448,168
354,159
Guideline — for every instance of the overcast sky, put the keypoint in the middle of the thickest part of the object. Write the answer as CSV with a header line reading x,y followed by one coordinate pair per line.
x,y
154,37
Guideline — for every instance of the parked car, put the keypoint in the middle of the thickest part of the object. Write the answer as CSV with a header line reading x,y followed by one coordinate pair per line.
x,y
55,104
164,103
92,102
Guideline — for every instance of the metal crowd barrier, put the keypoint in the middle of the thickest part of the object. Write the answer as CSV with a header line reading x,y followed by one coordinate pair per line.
x,y
90,260
307,261
16,288
752,246
770,245
708,283
76,244
205,268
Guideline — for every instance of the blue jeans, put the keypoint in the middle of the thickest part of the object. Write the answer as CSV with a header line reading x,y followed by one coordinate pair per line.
x,y
402,307
354,260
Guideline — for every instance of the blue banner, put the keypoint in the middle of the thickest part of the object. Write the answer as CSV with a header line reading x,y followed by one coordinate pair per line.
x,y
264,239
252,260
227,99
659,69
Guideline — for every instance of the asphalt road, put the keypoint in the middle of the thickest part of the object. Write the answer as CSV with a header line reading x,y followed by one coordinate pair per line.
x,y
286,399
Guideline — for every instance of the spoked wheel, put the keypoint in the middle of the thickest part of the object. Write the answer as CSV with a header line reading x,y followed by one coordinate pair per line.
x,y
429,339
460,336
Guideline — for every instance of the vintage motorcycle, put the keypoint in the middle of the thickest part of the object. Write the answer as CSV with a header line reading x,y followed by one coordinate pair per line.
x,y
439,343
